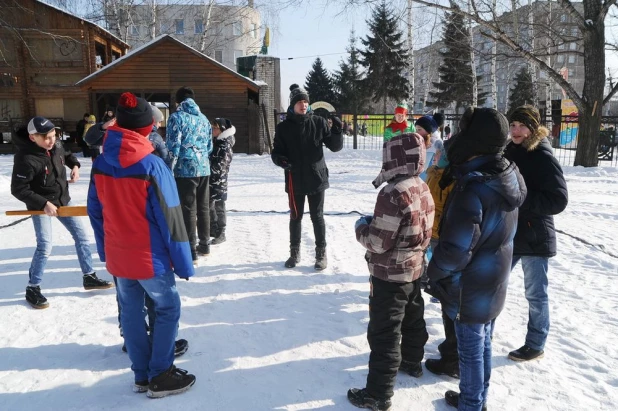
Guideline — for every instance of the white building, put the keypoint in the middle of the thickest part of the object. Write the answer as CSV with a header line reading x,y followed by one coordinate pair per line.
x,y
223,33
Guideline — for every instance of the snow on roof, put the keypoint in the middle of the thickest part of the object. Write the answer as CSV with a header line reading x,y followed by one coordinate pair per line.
x,y
156,40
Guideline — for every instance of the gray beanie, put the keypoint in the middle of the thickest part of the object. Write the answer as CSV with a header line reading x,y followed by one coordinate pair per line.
x,y
297,94
156,114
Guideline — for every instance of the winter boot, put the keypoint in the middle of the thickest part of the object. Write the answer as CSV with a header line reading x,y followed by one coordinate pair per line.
x,y
35,298
220,238
320,258
203,249
442,367
294,257
172,381
360,398
412,368
92,282
140,387
180,347
452,399
525,353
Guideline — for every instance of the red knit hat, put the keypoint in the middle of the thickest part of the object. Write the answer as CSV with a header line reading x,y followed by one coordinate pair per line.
x,y
134,113
402,108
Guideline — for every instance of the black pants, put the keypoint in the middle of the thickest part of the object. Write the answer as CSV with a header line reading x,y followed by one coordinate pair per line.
x,y
218,220
396,332
194,194
448,347
316,211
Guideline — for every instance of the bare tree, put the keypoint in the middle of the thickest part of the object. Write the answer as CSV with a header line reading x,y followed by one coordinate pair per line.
x,y
591,24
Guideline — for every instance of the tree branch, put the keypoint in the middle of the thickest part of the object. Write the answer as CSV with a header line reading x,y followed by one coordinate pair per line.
x,y
606,6
610,95
579,19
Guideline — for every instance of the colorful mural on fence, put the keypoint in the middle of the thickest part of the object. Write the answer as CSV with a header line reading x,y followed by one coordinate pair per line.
x,y
569,127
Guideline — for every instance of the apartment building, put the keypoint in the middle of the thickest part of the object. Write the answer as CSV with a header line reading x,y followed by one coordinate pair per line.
x,y
222,32
563,53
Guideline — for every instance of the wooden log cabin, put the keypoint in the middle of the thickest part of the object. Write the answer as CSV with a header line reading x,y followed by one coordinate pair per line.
x,y
44,51
156,70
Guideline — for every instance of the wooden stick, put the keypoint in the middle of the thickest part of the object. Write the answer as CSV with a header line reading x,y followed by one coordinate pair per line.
x,y
67,211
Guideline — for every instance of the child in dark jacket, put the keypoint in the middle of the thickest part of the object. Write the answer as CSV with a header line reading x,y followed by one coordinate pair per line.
x,y
470,267
396,237
220,159
40,181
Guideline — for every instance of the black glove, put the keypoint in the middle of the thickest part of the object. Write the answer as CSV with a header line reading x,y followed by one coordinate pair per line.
x,y
284,163
337,124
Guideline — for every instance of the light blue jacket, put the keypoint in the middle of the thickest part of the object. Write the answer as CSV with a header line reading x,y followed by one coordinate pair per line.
x,y
189,141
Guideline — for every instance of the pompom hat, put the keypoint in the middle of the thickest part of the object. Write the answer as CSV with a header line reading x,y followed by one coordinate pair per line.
x,y
297,94
133,112
402,108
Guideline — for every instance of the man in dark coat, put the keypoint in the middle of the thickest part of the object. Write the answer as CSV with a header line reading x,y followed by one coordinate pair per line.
x,y
535,241
298,150
40,181
470,267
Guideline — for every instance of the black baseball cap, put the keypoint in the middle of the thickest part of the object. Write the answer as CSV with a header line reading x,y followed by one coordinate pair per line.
x,y
40,125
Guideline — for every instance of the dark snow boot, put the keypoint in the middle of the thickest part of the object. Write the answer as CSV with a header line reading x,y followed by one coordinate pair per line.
x,y
525,353
360,398
452,399
414,369
35,298
92,282
180,347
220,238
172,381
320,258
440,367
294,257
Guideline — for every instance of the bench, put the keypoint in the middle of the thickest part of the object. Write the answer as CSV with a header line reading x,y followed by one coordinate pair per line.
x,y
607,145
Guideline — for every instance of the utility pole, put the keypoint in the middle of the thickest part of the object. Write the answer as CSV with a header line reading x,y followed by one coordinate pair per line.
x,y
410,59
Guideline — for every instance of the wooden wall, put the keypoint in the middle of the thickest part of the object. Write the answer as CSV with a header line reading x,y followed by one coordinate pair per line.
x,y
168,65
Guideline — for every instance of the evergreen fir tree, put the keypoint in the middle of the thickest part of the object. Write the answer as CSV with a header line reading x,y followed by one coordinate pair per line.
x,y
522,91
349,94
455,72
384,57
319,84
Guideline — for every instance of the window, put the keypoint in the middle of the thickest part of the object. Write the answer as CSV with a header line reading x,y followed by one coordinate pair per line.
x,y
564,18
180,26
237,28
572,58
574,32
165,26
571,72
134,30
253,30
561,58
573,46
219,56
542,74
561,47
237,53
199,26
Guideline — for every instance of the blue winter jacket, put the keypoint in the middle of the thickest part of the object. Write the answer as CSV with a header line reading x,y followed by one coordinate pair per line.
x,y
189,141
470,267
160,149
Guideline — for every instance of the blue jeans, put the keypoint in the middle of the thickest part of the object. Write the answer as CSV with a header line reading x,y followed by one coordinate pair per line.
x,y
535,281
474,348
149,359
43,231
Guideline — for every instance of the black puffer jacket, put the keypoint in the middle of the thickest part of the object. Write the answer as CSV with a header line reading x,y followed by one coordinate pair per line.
x,y
39,177
547,196
220,160
298,140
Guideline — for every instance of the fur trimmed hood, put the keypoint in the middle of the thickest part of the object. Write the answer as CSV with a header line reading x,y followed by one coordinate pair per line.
x,y
532,142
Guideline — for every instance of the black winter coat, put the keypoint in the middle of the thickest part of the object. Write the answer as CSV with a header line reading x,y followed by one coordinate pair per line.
x,y
39,177
547,196
298,140
470,267
220,160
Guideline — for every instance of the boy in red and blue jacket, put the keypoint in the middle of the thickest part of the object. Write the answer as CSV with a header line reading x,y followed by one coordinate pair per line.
x,y
135,213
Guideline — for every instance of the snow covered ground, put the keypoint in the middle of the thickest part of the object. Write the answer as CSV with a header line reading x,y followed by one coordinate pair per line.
x,y
263,337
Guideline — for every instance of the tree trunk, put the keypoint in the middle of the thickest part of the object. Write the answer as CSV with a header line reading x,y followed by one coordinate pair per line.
x,y
594,83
